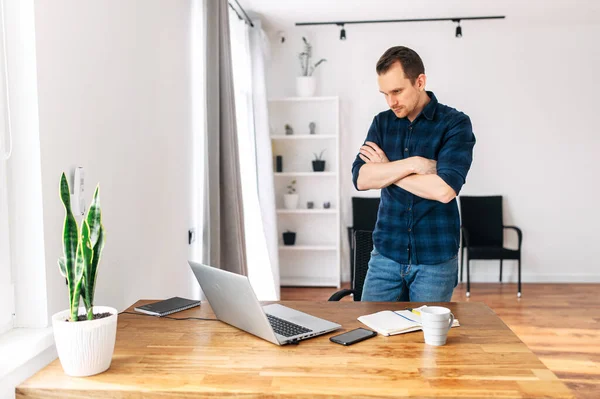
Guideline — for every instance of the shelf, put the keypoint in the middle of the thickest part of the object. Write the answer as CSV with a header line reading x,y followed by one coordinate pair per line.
x,y
307,211
302,99
316,259
300,174
303,136
308,248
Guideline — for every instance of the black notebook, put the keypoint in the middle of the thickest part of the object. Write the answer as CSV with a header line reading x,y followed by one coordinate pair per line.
x,y
168,306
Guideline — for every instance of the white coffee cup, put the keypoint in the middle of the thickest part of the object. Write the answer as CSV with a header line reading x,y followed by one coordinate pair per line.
x,y
436,321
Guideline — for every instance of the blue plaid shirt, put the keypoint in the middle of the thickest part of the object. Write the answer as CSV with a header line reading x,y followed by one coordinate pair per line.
x,y
411,229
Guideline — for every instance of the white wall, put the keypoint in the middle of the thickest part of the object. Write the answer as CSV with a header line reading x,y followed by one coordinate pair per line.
x,y
114,85
529,86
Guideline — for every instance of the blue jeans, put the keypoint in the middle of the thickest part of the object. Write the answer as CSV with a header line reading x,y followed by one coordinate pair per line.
x,y
389,281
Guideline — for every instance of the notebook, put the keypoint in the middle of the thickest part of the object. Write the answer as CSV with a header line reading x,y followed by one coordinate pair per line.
x,y
389,322
168,306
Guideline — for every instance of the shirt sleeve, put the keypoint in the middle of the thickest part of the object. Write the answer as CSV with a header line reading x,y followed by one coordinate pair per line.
x,y
374,136
456,153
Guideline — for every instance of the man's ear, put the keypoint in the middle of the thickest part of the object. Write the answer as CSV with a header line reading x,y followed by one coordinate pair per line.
x,y
421,81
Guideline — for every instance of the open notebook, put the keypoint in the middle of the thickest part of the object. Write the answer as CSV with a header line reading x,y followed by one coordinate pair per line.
x,y
389,322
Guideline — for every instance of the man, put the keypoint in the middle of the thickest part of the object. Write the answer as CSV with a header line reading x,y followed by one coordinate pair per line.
x,y
418,153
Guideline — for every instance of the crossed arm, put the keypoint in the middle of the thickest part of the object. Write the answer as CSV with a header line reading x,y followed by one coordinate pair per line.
x,y
416,175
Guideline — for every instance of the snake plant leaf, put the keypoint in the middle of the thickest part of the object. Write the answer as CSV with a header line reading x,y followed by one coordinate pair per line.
x,y
87,254
95,261
78,275
70,248
94,217
94,221
62,266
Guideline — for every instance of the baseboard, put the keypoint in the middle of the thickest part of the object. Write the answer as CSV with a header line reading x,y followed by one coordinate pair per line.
x,y
534,278
510,276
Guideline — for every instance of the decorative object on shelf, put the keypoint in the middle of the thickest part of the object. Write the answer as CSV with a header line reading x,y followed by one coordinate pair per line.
x,y
318,164
327,205
311,127
84,336
289,238
290,200
279,163
288,130
306,84
310,205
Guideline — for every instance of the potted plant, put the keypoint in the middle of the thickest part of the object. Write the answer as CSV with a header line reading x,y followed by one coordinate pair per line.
x,y
306,83
290,199
288,130
84,336
289,238
318,164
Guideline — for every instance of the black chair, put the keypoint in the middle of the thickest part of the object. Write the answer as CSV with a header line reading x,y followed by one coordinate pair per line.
x,y
363,244
482,232
364,217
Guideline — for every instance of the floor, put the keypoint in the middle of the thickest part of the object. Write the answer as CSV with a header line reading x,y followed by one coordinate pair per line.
x,y
559,322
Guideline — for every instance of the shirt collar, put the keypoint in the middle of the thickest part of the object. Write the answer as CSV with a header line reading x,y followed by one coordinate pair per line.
x,y
429,110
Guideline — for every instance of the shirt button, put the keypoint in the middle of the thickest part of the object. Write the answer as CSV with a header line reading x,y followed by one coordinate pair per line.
x,y
409,229
409,209
406,150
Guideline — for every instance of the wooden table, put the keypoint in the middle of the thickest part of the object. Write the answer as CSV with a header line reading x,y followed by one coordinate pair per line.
x,y
157,358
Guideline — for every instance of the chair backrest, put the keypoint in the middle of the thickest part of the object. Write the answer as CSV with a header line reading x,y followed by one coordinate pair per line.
x,y
482,218
363,245
364,212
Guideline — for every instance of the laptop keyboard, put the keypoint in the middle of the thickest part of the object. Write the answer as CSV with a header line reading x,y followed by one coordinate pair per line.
x,y
285,328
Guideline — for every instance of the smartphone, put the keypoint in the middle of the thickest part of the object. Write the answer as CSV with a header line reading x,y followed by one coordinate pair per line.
x,y
353,336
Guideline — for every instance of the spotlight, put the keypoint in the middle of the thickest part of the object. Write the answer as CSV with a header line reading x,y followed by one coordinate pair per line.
x,y
281,36
458,30
343,33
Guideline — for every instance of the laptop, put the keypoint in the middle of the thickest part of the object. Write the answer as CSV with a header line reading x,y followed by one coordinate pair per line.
x,y
234,302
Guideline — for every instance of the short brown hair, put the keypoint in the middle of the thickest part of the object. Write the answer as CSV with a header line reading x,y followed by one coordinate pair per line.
x,y
408,58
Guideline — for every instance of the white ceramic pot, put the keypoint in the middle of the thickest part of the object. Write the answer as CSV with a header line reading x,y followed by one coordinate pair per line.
x,y
306,86
290,201
85,347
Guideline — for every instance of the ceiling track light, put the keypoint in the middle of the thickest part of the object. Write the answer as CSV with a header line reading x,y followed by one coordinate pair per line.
x,y
342,32
455,19
458,28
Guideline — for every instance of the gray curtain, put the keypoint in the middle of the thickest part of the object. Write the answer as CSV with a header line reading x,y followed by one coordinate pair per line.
x,y
225,246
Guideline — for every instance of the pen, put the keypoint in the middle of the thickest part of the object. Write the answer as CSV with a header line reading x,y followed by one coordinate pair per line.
x,y
414,311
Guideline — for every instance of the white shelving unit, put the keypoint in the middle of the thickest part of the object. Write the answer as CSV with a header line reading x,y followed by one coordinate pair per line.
x,y
315,258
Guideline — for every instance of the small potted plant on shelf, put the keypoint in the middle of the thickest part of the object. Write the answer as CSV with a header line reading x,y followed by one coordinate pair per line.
x,y
318,163
289,238
288,129
306,84
290,199
84,336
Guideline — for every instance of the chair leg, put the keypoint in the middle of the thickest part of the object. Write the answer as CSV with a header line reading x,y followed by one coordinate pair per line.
x,y
468,279
519,292
500,270
462,258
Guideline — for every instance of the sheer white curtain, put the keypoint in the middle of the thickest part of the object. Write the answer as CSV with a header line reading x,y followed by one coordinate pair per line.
x,y
248,53
6,287
7,296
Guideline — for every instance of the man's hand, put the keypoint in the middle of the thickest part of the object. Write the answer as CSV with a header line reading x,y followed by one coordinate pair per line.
x,y
371,153
423,166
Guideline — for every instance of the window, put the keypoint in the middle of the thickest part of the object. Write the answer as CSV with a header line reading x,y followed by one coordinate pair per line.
x,y
7,297
257,255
